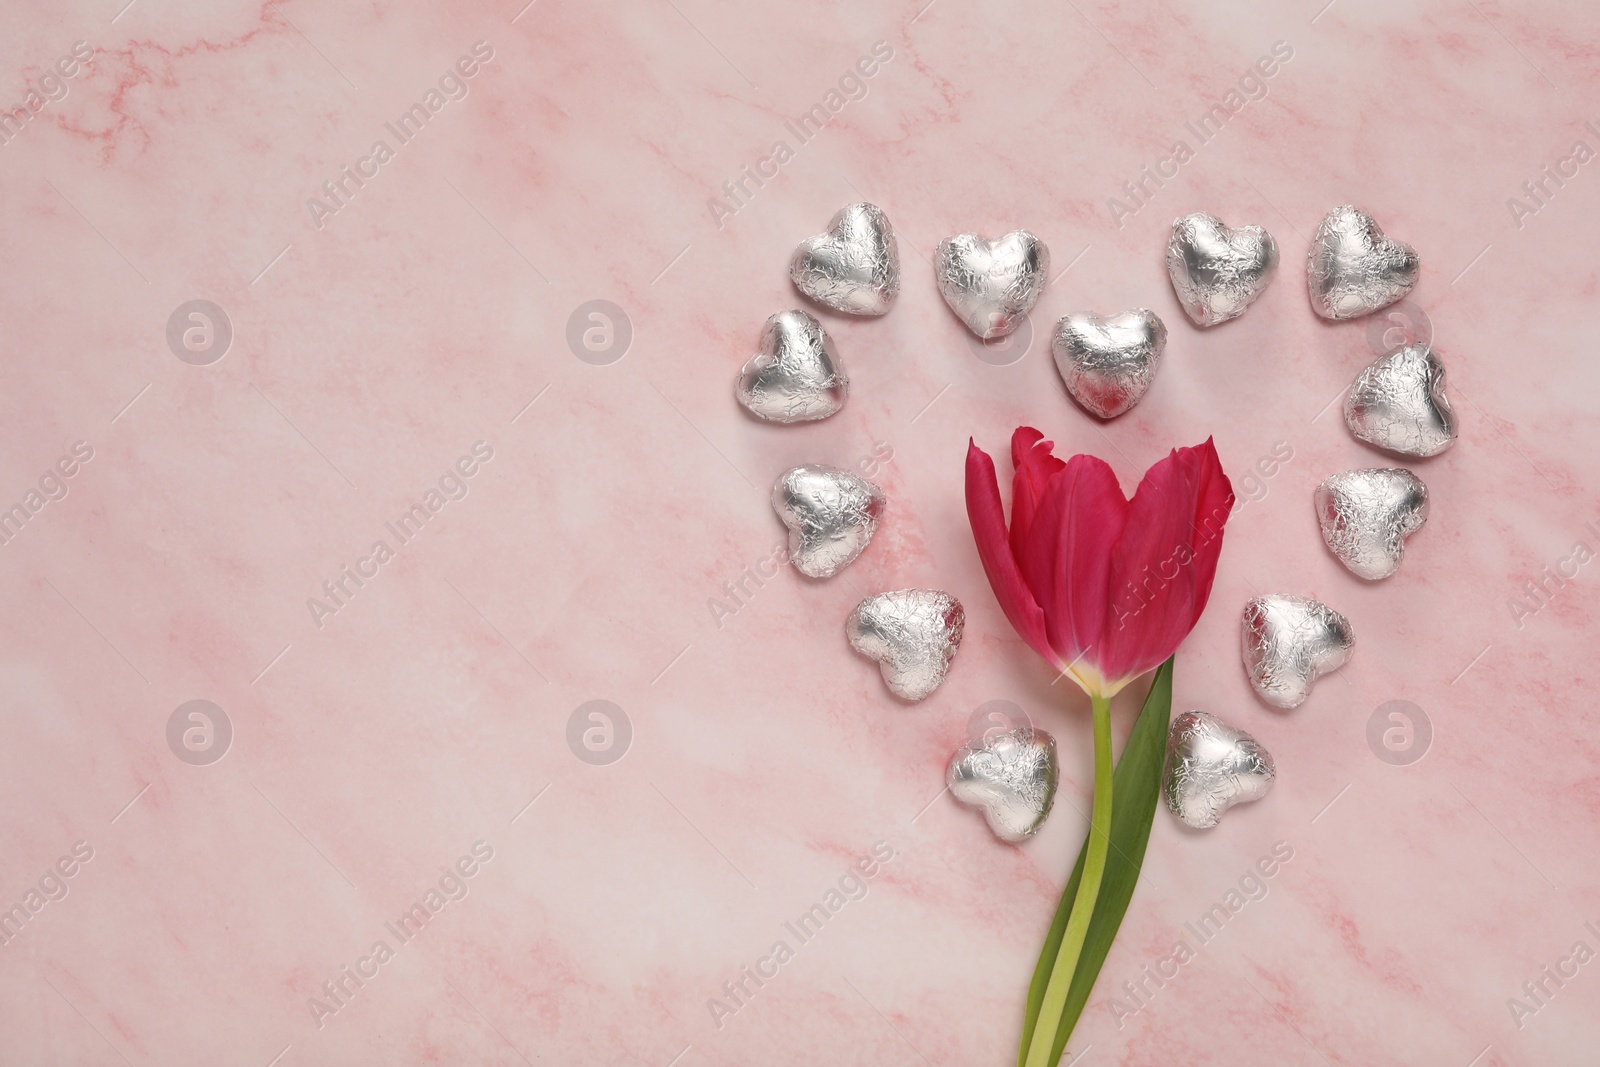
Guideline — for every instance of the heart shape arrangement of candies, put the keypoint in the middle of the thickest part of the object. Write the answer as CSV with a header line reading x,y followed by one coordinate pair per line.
x,y
1107,364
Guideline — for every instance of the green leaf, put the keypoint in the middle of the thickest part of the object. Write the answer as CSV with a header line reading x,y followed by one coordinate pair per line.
x,y
1136,789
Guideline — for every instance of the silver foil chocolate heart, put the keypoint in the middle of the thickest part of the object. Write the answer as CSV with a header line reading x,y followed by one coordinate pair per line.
x,y
912,633
831,515
1398,403
1352,269
795,375
1366,516
1011,775
1107,363
1289,642
991,285
1211,767
854,267
1218,272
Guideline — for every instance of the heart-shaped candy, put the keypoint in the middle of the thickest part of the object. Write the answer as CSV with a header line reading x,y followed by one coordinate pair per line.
x,y
854,267
912,633
1398,403
795,376
1108,363
1011,775
1366,516
1211,767
831,515
1218,272
1289,642
991,285
1352,269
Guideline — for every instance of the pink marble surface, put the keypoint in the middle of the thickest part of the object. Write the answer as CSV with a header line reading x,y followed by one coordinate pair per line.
x,y
373,346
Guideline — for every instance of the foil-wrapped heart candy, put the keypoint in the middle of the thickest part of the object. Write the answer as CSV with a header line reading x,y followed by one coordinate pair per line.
x,y
1366,516
831,515
1289,642
1210,767
854,267
1398,403
1218,272
991,285
795,376
912,633
1352,269
1107,363
1011,775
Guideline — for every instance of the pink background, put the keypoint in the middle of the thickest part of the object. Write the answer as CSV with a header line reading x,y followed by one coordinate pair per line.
x,y
426,314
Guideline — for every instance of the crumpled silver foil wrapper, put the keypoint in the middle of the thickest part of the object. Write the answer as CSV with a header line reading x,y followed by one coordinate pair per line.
x,y
912,633
1366,516
1108,362
1011,776
991,285
1217,272
795,375
1210,767
854,267
1352,269
1398,403
831,515
1289,642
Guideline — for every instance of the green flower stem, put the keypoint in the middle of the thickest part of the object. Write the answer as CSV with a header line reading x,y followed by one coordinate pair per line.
x,y
1094,866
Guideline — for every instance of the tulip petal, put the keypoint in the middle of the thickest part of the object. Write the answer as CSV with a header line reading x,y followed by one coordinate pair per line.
x,y
1162,569
1066,560
1034,465
987,516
